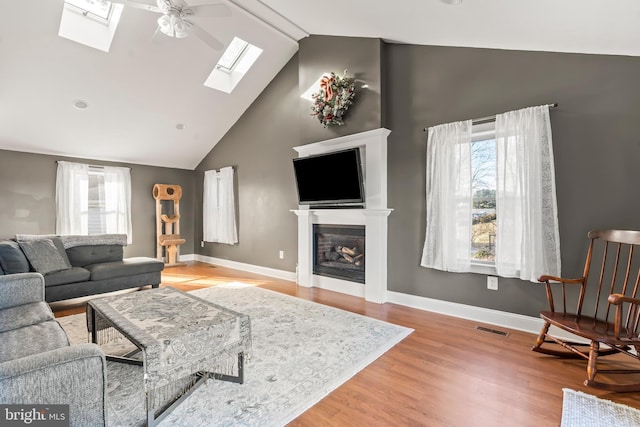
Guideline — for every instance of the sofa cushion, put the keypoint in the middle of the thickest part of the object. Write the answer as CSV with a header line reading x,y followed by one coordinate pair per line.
x,y
24,315
124,268
57,241
1,270
12,258
70,275
80,256
43,255
32,339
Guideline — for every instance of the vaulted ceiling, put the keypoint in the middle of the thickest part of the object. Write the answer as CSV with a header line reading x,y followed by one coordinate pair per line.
x,y
146,87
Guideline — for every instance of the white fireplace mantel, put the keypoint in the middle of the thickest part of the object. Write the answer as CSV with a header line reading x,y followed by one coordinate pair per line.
x,y
374,216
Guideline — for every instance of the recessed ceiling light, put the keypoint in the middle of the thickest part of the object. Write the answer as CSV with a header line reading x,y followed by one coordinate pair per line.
x,y
180,126
80,104
451,1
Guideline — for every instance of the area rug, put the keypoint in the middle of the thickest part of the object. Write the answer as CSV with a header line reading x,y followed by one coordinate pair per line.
x,y
584,410
301,351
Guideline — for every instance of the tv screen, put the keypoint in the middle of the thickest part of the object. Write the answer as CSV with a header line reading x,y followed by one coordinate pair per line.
x,y
330,179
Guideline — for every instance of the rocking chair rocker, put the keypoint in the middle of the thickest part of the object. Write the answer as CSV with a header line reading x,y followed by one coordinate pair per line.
x,y
614,319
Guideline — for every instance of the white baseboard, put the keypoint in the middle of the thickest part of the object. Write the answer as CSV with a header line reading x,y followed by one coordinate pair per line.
x,y
489,316
265,271
503,319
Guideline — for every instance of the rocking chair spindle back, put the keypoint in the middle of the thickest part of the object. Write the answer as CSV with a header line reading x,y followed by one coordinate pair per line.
x,y
607,310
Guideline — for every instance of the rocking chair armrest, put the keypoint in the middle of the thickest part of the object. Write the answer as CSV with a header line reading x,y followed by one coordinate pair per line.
x,y
632,320
617,299
547,279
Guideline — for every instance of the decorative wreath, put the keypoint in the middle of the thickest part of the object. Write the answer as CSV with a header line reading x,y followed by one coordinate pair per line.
x,y
333,99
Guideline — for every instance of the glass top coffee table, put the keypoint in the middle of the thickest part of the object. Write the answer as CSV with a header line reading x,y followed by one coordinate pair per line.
x,y
179,336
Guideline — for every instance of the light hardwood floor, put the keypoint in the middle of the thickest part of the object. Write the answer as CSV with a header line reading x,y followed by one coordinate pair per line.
x,y
446,373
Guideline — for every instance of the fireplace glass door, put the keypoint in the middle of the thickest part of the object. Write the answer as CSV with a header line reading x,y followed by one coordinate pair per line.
x,y
338,251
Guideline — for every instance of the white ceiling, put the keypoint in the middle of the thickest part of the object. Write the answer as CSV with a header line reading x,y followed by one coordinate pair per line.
x,y
141,89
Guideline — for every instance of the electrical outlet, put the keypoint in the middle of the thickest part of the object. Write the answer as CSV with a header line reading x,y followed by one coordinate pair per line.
x,y
202,243
492,283
281,254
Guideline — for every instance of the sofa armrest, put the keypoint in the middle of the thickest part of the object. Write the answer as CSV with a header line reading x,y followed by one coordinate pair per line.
x,y
74,375
21,288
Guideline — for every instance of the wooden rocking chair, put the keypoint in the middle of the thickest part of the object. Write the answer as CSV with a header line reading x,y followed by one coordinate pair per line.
x,y
614,318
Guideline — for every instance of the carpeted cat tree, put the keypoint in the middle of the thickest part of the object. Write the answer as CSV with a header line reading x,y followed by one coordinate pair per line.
x,y
168,224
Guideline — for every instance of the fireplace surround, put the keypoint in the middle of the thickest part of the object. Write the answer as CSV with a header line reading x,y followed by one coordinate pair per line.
x,y
373,217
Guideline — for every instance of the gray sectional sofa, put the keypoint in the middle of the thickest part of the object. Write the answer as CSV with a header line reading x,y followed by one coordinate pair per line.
x,y
78,266
38,366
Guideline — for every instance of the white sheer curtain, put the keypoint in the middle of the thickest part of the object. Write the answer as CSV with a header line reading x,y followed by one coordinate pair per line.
x,y
527,241
117,201
219,217
72,198
449,198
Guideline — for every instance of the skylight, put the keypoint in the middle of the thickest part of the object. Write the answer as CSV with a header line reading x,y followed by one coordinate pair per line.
x,y
90,22
232,54
99,9
234,63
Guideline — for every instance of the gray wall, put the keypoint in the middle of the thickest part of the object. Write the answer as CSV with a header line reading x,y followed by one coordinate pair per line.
x,y
361,57
596,143
27,198
259,147
596,147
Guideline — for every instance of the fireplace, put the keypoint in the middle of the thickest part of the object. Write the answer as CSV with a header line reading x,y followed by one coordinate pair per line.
x,y
338,251
368,282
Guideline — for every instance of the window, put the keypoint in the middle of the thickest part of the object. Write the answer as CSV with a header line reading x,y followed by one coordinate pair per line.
x,y
93,200
100,10
218,207
491,196
232,54
483,188
234,63
97,207
92,23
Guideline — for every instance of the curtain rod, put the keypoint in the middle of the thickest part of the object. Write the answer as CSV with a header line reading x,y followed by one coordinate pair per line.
x,y
489,119
93,166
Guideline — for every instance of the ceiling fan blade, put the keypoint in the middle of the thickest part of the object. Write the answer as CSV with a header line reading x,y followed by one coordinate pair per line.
x,y
211,41
138,5
211,10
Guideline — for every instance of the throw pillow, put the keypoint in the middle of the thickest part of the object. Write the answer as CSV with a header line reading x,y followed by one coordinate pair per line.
x,y
57,241
12,259
43,256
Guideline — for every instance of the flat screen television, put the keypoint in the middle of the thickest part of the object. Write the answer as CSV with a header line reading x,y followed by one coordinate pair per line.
x,y
332,179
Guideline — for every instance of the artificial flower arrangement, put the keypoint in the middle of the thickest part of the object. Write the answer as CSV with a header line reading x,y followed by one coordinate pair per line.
x,y
333,99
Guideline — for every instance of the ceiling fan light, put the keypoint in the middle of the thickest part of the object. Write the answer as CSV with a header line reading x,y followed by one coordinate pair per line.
x,y
180,28
164,23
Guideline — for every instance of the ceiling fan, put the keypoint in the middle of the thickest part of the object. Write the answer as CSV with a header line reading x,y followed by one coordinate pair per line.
x,y
176,18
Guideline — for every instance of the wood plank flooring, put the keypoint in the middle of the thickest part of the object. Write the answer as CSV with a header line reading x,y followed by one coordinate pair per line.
x,y
446,373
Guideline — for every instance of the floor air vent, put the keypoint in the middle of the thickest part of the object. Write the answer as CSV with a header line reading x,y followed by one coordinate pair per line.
x,y
493,331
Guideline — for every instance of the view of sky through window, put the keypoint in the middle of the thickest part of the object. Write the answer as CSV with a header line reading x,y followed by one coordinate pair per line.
x,y
483,213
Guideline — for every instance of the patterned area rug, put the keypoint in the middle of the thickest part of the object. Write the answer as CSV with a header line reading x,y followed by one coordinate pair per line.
x,y
301,352
584,410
